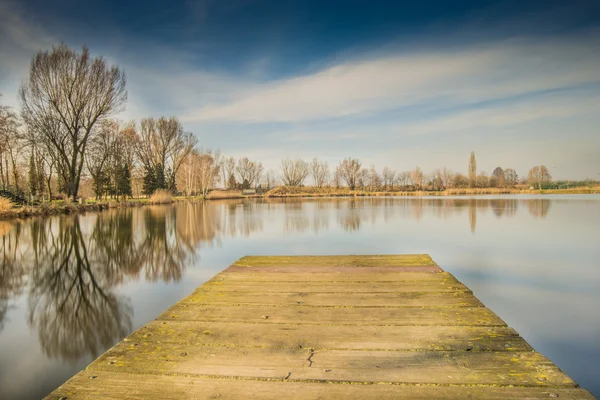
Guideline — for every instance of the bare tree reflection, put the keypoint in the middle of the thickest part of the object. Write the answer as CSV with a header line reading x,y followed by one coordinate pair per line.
x,y
502,207
71,303
349,218
538,208
12,270
113,245
473,214
165,253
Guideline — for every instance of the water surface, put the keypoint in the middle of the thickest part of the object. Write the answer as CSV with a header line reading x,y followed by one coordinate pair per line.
x,y
72,286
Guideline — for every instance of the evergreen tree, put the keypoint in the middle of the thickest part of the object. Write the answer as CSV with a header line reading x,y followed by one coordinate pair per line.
x,y
150,184
123,181
170,183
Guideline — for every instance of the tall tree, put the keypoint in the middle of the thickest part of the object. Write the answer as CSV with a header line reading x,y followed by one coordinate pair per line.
x,y
498,179
249,172
65,96
294,172
472,171
162,147
510,177
227,169
320,172
538,176
349,171
11,144
388,178
416,176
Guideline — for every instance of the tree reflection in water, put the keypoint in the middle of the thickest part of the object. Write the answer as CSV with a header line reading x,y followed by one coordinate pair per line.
x,y
12,271
538,208
71,303
78,262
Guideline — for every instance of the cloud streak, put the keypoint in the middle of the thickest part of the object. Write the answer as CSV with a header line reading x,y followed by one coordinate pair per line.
x,y
437,78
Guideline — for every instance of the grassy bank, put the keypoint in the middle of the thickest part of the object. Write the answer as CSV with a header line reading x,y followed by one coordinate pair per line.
x,y
286,191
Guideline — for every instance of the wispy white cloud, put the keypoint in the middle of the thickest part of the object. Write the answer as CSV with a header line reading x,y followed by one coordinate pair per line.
x,y
476,74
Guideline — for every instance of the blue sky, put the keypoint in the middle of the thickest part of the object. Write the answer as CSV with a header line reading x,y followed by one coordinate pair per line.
x,y
389,82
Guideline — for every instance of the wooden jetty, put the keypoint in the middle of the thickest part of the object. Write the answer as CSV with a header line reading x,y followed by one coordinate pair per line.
x,y
368,327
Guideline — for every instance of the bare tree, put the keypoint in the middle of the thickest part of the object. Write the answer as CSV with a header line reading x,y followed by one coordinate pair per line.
x,y
472,170
437,181
482,180
294,172
208,170
388,176
249,172
320,172
373,180
498,179
228,171
510,177
447,176
270,179
64,97
336,180
11,143
538,176
416,177
163,144
349,171
402,178
102,146
460,181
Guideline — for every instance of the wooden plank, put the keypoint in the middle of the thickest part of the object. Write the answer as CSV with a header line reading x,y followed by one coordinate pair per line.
x,y
94,385
391,260
413,338
325,327
309,269
358,276
472,316
425,367
405,299
327,287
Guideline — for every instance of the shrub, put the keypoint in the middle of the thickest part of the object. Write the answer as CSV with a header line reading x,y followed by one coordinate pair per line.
x,y
161,196
5,204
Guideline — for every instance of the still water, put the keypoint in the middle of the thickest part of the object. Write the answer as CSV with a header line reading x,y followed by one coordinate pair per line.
x,y
72,286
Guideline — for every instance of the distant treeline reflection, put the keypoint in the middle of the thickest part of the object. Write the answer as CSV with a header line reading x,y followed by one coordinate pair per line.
x,y
71,266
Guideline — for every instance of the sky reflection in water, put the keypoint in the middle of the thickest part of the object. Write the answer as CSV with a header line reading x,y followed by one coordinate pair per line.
x,y
72,286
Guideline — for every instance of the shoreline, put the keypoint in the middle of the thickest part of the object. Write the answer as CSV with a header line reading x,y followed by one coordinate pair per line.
x,y
51,209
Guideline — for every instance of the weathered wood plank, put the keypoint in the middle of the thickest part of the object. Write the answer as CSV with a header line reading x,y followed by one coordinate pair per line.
x,y
359,275
327,287
413,338
405,299
426,367
475,316
307,269
325,327
392,260
90,385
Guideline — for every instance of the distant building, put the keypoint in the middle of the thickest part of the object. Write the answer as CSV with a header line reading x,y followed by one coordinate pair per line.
x,y
249,191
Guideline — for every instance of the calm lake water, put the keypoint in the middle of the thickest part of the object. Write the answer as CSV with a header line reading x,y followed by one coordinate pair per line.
x,y
72,286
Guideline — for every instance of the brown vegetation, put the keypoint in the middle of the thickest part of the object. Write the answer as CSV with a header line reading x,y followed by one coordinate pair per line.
x,y
5,205
161,196
224,194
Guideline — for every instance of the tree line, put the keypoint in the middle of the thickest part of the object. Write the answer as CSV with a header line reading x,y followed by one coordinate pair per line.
x,y
66,133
